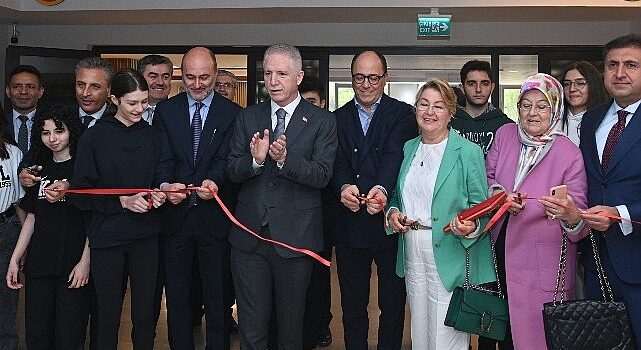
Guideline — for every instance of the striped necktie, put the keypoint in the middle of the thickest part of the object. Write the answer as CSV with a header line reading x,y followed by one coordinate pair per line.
x,y
196,129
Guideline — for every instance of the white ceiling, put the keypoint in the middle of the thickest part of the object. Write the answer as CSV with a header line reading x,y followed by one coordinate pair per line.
x,y
617,10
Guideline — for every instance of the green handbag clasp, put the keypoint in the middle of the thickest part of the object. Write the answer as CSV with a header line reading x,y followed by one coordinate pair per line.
x,y
486,328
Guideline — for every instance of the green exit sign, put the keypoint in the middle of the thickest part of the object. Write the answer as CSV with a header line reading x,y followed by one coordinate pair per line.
x,y
430,26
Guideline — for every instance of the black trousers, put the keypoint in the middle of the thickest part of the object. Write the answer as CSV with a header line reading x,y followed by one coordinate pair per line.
x,y
354,271
108,271
260,277
55,315
318,303
212,254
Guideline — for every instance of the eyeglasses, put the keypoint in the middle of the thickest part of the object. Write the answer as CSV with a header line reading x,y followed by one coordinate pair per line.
x,y
579,84
540,108
224,85
437,109
372,78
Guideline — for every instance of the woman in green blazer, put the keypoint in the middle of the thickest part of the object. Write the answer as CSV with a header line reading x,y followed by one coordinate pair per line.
x,y
442,174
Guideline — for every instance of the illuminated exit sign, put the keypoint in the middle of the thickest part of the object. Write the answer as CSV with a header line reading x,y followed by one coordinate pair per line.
x,y
433,26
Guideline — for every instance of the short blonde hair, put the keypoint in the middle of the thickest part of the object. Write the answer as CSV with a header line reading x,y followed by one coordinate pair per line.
x,y
444,88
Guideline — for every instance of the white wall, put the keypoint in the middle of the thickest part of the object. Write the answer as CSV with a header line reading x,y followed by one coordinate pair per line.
x,y
322,34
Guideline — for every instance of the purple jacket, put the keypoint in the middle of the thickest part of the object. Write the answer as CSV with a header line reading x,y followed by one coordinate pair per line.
x,y
532,242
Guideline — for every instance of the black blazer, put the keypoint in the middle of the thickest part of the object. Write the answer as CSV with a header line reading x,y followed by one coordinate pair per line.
x,y
367,161
171,122
620,184
289,197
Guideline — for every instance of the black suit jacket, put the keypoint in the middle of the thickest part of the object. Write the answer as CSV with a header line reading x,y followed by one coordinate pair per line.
x,y
291,196
367,161
172,123
619,185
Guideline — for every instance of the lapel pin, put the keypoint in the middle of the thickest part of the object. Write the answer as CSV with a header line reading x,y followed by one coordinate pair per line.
x,y
305,119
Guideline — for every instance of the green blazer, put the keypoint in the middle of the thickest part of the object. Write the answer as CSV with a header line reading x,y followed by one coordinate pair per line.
x,y
461,183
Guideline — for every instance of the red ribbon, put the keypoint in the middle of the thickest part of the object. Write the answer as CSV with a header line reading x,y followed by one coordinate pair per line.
x,y
499,213
128,191
479,210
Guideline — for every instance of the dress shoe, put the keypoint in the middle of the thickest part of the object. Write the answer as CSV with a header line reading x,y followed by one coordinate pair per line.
x,y
325,338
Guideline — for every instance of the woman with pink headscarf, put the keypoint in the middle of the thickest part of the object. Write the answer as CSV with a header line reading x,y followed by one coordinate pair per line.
x,y
526,160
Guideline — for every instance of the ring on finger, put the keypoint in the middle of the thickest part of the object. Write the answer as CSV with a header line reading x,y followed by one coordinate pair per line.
x,y
553,217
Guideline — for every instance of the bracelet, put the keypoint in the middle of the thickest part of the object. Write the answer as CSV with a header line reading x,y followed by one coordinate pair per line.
x,y
570,226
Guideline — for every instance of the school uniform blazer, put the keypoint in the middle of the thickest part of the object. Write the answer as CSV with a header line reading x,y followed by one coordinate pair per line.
x,y
367,161
172,123
532,241
460,184
620,184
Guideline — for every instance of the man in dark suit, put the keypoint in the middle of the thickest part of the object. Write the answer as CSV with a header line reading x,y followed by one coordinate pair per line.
x,y
611,144
282,155
372,130
92,88
24,89
195,128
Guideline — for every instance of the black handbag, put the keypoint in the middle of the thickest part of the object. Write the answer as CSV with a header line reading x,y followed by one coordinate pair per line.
x,y
477,310
586,324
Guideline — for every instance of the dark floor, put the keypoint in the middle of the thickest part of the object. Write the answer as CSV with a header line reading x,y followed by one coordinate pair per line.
x,y
336,325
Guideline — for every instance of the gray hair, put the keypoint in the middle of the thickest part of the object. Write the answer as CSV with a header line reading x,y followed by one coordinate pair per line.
x,y
225,72
287,50
96,63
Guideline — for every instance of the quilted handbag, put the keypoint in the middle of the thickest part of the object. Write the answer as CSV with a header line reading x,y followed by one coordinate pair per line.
x,y
478,310
586,324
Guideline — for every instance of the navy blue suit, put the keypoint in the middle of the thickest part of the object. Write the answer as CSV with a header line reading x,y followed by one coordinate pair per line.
x,y
202,228
367,161
619,185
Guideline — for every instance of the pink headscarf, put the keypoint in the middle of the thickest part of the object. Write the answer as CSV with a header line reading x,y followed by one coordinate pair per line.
x,y
534,148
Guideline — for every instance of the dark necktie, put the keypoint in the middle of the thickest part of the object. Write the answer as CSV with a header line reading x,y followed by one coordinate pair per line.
x,y
23,134
613,139
86,120
196,131
280,123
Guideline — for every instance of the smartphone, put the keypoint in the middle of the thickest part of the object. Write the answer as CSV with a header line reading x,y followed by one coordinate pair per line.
x,y
560,192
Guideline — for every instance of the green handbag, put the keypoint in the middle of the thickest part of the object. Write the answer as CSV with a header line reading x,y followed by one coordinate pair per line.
x,y
478,310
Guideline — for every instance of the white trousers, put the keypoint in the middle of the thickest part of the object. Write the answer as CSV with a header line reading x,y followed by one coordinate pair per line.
x,y
428,297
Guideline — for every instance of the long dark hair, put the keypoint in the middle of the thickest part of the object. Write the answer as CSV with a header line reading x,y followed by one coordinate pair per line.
x,y
62,116
125,81
596,90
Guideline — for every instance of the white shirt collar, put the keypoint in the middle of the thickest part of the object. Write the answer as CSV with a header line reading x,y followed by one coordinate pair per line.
x,y
631,108
96,115
290,108
30,115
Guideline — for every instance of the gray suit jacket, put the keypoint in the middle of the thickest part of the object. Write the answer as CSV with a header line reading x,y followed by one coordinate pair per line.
x,y
289,198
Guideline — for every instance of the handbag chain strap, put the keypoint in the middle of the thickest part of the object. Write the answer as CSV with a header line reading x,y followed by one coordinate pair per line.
x,y
496,272
603,279
561,272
